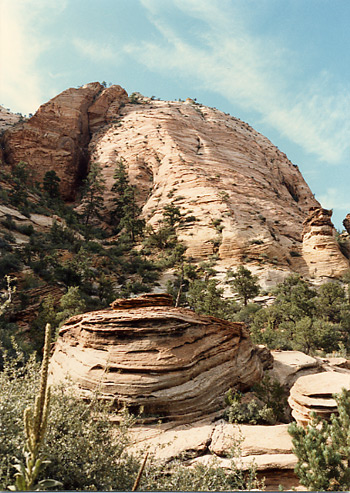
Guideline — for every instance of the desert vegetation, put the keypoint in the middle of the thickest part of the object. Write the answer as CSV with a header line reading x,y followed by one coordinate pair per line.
x,y
82,261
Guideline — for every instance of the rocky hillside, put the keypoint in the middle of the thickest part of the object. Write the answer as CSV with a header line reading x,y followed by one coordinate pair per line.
x,y
242,199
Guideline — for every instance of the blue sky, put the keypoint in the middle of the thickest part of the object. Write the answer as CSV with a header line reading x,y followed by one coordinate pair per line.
x,y
283,66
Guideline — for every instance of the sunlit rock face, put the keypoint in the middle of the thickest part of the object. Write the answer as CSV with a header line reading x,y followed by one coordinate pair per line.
x,y
242,200
171,362
320,251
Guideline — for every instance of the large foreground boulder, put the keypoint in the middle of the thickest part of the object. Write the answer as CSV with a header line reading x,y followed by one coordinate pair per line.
x,y
170,362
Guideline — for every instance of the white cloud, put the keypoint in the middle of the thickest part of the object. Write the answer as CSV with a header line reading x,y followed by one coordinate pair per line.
x,y
335,198
21,45
251,72
95,50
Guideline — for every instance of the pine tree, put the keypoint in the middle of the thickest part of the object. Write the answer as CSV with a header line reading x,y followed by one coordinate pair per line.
x,y
244,283
323,449
126,212
51,184
92,193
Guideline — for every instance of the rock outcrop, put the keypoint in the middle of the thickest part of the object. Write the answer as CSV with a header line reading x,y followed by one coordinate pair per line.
x,y
346,223
8,119
315,393
56,137
289,366
142,301
171,362
321,252
244,200
210,441
241,199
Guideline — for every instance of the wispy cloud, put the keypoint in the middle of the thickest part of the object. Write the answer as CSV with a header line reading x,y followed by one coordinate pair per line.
x,y
96,51
21,45
335,198
251,72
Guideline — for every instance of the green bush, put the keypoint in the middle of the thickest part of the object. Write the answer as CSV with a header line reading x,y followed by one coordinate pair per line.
x,y
267,404
177,477
253,412
9,263
83,452
323,449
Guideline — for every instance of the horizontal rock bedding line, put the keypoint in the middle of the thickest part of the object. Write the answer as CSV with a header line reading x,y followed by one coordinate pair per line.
x,y
179,368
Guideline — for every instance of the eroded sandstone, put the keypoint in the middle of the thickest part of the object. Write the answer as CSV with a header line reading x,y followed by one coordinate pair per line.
x,y
169,361
320,251
315,393
56,137
241,199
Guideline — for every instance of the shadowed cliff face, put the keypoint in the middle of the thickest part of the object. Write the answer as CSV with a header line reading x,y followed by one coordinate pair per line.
x,y
247,201
57,136
170,361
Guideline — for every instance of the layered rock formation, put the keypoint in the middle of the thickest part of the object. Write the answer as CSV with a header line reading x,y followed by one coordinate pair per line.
x,y
209,441
56,137
320,250
216,169
242,200
315,393
8,119
173,363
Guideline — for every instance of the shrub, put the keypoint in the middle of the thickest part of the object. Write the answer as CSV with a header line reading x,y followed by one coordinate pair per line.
x,y
323,449
9,263
267,404
201,477
253,411
83,452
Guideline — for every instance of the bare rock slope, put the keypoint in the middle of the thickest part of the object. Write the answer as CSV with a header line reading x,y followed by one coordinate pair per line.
x,y
244,201
172,362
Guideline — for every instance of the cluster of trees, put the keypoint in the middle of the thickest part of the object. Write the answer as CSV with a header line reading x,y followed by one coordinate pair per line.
x,y
305,318
301,317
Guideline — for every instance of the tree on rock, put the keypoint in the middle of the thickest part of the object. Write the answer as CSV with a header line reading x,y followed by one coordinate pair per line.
x,y
92,193
51,184
126,212
244,283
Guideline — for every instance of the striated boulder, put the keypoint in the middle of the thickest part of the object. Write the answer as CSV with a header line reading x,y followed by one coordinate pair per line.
x,y
56,137
315,393
321,252
151,299
170,361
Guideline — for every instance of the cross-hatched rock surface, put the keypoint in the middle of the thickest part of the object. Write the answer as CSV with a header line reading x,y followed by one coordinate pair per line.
x,y
172,362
